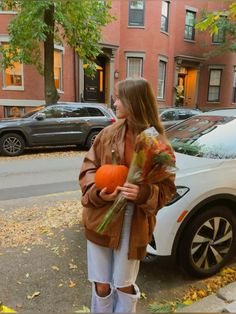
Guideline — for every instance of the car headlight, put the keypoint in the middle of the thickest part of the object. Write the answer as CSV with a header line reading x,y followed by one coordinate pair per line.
x,y
180,192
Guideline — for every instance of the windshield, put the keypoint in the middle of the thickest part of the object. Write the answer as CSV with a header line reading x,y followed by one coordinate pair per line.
x,y
30,113
205,136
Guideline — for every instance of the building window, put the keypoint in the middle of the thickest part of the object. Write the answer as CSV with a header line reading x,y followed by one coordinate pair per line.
x,y
161,79
13,77
136,12
165,16
58,69
234,86
189,25
214,85
134,67
9,7
13,112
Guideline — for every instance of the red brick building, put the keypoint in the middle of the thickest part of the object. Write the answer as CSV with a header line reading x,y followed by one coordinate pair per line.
x,y
154,39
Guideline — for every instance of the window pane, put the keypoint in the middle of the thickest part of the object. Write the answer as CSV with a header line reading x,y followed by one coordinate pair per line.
x,y
190,18
213,94
94,112
161,79
136,13
215,77
58,69
134,67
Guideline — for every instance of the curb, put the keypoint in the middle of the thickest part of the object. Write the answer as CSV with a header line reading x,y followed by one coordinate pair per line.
x,y
224,300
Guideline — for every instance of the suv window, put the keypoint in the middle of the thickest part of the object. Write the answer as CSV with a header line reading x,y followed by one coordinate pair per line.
x,y
53,112
94,112
169,115
74,112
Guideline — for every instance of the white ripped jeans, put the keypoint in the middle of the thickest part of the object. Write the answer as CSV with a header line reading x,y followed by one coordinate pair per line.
x,y
113,267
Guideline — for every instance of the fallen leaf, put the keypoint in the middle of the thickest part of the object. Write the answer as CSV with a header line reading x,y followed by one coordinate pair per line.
x,y
54,267
71,284
84,309
143,296
35,294
72,266
5,309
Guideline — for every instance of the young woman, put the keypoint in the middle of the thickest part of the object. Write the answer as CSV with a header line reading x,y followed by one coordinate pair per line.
x,y
114,256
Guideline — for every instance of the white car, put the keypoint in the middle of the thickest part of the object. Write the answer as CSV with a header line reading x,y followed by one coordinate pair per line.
x,y
198,227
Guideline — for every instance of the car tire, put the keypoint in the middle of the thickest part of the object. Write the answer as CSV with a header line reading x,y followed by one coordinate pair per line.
x,y
208,242
91,139
12,144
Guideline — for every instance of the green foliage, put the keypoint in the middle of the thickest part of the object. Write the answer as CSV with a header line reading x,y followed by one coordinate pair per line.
x,y
78,23
223,21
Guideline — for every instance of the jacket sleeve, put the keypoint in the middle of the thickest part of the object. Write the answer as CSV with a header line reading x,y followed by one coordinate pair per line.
x,y
159,194
90,194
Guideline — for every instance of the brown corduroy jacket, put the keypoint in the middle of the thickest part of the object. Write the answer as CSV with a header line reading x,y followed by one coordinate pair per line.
x,y
152,196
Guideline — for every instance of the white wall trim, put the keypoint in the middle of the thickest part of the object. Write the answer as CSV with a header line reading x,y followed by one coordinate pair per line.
x,y
216,67
134,54
189,8
4,38
21,102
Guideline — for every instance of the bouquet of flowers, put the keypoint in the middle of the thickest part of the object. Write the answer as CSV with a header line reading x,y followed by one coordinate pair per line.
x,y
152,162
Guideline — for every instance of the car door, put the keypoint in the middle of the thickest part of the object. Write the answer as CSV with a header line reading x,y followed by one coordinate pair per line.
x,y
75,123
48,130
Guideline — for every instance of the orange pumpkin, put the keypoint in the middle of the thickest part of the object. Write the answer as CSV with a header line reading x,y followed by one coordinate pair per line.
x,y
110,176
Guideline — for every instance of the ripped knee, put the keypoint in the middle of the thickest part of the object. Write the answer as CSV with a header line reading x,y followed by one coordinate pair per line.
x,y
102,289
129,289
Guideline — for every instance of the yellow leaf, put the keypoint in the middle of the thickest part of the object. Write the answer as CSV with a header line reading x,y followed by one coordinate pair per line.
x,y
5,309
72,266
187,302
143,295
71,284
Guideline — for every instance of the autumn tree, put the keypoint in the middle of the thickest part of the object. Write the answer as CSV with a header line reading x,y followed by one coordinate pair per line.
x,y
223,23
39,24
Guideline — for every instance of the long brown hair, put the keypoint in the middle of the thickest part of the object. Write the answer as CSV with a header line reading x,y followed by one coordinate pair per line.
x,y
138,97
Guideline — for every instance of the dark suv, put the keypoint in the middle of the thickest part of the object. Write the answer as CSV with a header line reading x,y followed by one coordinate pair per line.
x,y
59,124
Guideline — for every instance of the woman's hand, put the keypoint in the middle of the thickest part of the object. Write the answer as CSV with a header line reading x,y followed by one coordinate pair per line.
x,y
130,191
108,197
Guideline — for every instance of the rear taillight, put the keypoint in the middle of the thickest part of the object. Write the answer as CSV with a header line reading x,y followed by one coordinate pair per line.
x,y
112,120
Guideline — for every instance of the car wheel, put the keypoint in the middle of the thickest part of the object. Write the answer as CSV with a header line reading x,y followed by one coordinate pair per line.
x,y
91,139
12,144
208,242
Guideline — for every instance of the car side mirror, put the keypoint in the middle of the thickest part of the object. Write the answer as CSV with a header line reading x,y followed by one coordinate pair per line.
x,y
40,116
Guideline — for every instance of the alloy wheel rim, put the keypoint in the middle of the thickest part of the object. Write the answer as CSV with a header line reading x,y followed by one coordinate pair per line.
x,y
12,145
211,243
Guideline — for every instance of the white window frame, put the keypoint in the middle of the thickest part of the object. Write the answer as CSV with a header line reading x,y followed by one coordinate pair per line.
x,y
135,55
234,86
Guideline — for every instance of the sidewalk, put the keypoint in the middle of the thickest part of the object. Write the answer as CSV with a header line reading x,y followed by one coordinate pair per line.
x,y
223,301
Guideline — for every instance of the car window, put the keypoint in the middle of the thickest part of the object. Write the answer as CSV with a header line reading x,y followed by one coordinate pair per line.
x,y
94,112
53,112
168,115
205,136
74,112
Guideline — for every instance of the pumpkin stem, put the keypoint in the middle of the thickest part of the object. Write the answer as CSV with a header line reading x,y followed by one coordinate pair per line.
x,y
113,158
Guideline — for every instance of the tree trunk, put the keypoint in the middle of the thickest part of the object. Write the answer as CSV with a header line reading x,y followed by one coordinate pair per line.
x,y
50,91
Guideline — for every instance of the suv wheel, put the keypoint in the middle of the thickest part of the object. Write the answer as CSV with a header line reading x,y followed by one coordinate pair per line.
x,y
208,242
91,139
12,144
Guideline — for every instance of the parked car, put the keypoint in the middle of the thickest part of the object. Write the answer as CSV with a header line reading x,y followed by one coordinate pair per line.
x,y
197,228
59,124
171,116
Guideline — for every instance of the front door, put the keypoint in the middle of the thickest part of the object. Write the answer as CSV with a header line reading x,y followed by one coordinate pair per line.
x,y
94,90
